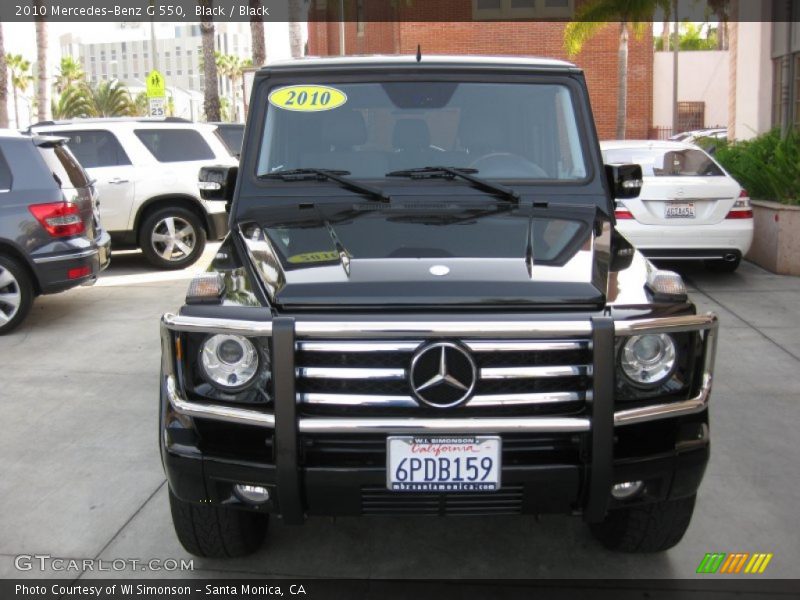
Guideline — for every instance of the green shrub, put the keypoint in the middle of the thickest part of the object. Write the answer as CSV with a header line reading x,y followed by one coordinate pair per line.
x,y
767,166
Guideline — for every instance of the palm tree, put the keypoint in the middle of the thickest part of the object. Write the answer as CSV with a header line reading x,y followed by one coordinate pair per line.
x,y
595,15
112,99
231,66
20,70
257,35
211,91
3,83
69,72
42,101
73,102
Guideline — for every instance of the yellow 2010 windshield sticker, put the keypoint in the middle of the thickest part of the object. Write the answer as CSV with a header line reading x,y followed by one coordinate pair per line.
x,y
307,98
313,257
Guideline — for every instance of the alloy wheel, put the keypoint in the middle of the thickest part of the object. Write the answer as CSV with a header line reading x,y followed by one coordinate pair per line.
x,y
173,238
10,295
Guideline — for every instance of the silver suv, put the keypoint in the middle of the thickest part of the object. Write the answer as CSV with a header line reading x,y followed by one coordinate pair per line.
x,y
146,175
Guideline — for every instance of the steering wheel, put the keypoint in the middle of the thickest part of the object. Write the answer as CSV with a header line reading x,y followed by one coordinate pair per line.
x,y
507,164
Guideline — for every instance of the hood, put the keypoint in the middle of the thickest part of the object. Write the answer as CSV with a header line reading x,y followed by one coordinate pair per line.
x,y
430,256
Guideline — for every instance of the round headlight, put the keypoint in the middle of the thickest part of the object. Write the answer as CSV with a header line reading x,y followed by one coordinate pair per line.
x,y
229,361
649,359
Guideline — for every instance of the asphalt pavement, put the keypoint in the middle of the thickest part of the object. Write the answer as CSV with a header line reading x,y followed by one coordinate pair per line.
x,y
80,474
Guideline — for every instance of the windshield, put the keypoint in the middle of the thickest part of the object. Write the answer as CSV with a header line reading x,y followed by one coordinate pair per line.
x,y
504,130
665,163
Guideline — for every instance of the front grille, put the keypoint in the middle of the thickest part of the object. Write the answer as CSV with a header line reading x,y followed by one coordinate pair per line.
x,y
380,501
371,378
341,451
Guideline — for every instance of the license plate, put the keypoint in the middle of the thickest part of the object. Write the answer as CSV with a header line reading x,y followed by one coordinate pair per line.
x,y
679,210
443,463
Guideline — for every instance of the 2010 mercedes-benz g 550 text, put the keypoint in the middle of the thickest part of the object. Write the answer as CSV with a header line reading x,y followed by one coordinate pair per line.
x,y
423,307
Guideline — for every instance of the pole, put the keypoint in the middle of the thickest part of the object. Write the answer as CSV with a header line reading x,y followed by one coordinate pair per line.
x,y
341,27
675,52
153,51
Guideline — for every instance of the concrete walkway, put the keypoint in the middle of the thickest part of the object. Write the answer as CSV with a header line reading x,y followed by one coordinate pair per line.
x,y
80,475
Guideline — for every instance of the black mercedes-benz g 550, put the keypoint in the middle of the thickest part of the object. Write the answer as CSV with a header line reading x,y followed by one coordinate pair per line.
x,y
423,307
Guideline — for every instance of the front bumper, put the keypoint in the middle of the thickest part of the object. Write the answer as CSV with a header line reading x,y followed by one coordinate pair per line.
x,y
53,269
594,451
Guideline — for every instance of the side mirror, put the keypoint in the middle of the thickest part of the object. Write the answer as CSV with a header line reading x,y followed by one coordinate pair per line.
x,y
625,181
217,182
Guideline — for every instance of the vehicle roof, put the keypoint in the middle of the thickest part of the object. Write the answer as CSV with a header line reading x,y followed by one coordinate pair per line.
x,y
430,60
139,122
648,144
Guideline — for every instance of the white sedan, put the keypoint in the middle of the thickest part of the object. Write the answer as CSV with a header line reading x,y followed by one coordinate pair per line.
x,y
689,208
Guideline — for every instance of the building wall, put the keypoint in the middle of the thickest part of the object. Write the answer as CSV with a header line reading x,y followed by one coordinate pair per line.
x,y
702,77
462,36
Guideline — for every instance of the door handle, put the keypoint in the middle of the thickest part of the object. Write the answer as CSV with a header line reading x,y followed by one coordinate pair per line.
x,y
117,181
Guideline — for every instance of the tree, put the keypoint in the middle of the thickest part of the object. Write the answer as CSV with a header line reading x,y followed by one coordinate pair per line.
x,y
42,101
232,67
73,102
257,34
595,15
20,71
211,90
69,72
3,83
296,16
112,99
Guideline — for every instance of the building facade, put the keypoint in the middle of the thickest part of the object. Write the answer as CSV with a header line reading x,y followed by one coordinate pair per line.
x,y
493,27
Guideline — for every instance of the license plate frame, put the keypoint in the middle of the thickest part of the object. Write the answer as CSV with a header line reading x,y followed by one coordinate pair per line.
x,y
680,210
463,475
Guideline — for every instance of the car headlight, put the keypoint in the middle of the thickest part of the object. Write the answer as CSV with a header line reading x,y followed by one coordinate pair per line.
x,y
647,360
229,361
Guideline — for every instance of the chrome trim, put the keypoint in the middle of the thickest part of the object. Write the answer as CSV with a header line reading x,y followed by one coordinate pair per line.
x,y
666,324
350,373
229,414
62,257
365,346
655,412
505,346
208,325
431,425
433,329
525,399
357,400
534,372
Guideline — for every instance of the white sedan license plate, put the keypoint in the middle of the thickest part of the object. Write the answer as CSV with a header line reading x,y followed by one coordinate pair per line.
x,y
679,210
443,463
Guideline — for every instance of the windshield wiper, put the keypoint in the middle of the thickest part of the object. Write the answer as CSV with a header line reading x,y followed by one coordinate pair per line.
x,y
463,173
324,175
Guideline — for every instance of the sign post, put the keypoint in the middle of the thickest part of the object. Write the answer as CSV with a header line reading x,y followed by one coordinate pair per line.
x,y
156,94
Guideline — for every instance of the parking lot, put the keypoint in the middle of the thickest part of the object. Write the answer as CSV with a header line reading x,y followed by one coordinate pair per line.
x,y
81,475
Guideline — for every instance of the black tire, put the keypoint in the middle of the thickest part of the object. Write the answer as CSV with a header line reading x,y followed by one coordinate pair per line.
x,y
648,528
723,266
214,532
155,249
16,294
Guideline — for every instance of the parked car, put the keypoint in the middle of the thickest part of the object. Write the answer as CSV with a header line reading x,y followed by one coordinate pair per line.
x,y
690,208
50,234
146,175
231,135
701,136
424,307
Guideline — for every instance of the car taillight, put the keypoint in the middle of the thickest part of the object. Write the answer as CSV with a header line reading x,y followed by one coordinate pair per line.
x,y
60,219
741,208
622,213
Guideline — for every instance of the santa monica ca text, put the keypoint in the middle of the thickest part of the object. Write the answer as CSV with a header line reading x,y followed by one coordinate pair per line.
x,y
61,590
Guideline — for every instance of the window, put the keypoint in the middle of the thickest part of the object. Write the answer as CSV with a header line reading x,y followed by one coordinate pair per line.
x,y
5,174
797,91
522,9
95,148
691,116
62,164
665,163
778,99
504,130
175,145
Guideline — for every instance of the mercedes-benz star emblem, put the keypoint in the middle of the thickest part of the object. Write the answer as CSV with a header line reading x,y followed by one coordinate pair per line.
x,y
442,374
